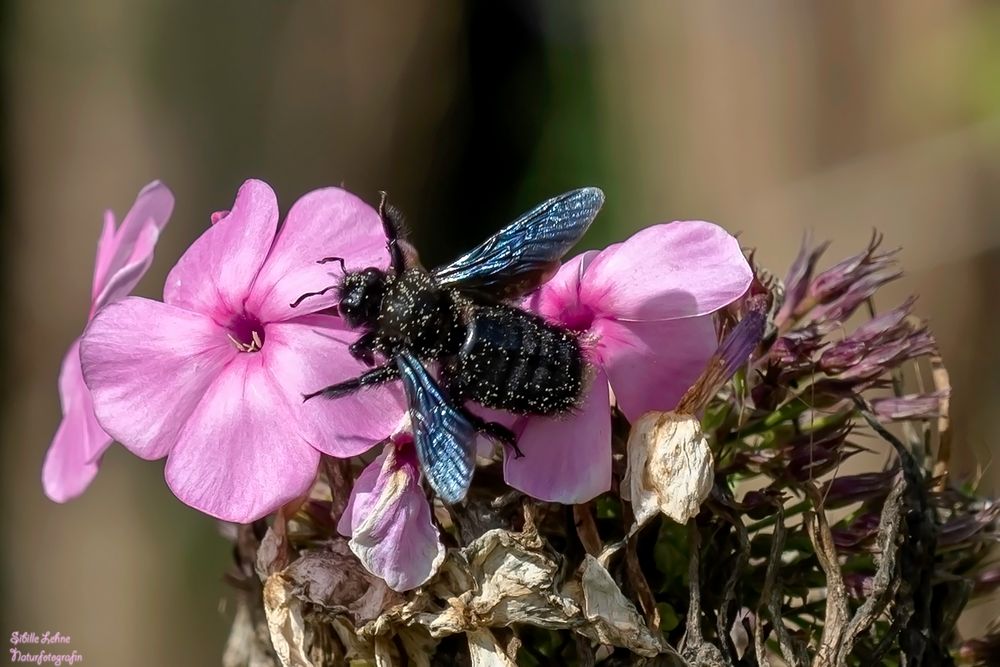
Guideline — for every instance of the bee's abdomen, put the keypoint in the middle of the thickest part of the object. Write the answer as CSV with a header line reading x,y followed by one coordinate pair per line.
x,y
513,360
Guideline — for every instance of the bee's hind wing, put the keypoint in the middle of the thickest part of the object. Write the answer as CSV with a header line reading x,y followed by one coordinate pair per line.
x,y
443,435
526,252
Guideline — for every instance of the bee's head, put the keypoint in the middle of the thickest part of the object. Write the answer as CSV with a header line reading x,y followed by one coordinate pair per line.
x,y
361,296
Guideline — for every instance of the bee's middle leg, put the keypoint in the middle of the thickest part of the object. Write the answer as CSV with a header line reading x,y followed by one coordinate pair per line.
x,y
376,376
494,431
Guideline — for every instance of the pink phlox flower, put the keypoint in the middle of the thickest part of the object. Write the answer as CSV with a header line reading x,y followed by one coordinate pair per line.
x,y
644,309
213,377
388,519
123,256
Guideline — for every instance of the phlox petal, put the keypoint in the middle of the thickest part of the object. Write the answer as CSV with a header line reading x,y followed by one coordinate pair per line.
x,y
239,455
70,464
123,255
309,353
651,364
121,282
567,459
105,251
669,271
214,276
148,364
66,473
322,223
389,521
361,492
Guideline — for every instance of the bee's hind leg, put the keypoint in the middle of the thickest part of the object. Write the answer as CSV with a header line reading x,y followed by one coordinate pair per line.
x,y
376,376
495,431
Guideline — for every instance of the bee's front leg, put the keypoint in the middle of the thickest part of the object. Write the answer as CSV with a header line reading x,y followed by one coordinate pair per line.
x,y
376,376
363,349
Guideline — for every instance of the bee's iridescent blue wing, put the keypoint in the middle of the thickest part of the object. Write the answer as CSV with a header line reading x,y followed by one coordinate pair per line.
x,y
444,437
526,252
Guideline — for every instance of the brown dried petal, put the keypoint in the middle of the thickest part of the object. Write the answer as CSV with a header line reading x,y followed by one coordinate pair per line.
x,y
284,619
485,651
336,581
613,618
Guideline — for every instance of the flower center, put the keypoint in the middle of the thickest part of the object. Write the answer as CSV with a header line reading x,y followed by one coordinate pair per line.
x,y
246,332
577,317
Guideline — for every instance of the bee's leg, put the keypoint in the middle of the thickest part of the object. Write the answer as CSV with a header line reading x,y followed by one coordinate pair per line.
x,y
392,223
495,431
363,349
376,376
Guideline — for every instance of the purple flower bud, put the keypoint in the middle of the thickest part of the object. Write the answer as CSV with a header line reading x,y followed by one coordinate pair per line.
x,y
838,280
813,461
858,535
762,503
878,346
963,528
741,342
882,359
911,406
842,356
886,326
982,651
769,392
859,584
987,581
797,281
843,307
850,489
796,348
733,353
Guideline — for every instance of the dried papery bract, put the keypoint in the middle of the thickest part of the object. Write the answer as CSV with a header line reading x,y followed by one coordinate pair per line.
x,y
670,467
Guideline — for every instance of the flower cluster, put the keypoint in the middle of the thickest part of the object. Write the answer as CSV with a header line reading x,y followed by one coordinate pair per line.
x,y
696,497
212,377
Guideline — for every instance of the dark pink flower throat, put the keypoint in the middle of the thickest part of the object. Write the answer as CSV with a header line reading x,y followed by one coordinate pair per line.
x,y
577,317
246,332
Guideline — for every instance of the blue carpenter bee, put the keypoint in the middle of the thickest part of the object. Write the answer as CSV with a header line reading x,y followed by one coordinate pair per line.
x,y
461,315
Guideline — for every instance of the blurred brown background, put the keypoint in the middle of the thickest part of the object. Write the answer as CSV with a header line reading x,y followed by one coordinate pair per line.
x,y
769,118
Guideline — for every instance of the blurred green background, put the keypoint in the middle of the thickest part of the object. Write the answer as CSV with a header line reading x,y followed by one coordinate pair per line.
x,y
770,118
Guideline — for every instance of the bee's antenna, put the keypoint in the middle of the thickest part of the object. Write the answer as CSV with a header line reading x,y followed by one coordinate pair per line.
x,y
295,304
327,260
